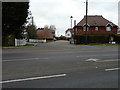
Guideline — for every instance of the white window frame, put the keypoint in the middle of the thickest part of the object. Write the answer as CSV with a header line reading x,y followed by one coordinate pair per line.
x,y
84,28
108,28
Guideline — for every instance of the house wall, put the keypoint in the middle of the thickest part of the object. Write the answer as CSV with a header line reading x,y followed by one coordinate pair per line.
x,y
68,34
91,30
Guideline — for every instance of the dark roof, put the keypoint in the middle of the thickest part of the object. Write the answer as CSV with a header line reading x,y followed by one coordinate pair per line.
x,y
95,20
69,29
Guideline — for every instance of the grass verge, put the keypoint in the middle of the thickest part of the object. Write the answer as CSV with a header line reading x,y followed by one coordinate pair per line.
x,y
49,41
18,46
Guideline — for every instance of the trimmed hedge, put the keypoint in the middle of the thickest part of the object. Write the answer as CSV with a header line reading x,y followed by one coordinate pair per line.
x,y
81,39
116,39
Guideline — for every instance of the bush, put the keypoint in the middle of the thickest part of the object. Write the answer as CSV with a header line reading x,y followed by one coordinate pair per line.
x,y
81,39
58,38
39,38
117,39
8,41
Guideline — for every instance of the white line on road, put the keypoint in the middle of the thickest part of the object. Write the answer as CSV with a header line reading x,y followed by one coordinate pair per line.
x,y
112,60
22,59
112,69
91,59
34,78
98,60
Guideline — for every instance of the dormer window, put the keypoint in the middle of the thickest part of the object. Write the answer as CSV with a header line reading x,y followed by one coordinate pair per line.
x,y
85,28
108,28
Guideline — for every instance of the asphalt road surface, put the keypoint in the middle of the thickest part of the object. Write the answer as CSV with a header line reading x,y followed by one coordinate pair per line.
x,y
60,65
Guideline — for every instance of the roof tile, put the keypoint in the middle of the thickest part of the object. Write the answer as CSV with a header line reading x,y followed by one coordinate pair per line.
x,y
95,20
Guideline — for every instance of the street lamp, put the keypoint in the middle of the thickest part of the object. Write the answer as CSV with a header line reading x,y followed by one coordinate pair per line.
x,y
74,31
71,20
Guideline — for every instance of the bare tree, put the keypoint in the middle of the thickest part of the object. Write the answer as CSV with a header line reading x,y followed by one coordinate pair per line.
x,y
46,27
52,27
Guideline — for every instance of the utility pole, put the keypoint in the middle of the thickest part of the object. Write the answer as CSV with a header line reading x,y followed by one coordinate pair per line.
x,y
86,22
74,32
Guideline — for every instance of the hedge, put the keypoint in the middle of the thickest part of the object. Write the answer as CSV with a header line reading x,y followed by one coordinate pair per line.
x,y
8,41
81,39
116,38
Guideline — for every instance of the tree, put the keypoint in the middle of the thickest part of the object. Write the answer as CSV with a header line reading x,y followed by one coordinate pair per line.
x,y
52,27
14,16
31,30
46,27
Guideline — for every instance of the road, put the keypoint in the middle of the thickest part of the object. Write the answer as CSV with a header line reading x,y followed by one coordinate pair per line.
x,y
60,65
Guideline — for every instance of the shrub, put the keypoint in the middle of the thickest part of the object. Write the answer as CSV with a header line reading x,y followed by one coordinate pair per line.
x,y
81,39
117,39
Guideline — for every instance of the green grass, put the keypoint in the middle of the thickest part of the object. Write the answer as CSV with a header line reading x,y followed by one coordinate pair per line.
x,y
49,41
19,46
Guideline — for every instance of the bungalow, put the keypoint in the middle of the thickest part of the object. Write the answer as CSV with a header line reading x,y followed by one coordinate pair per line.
x,y
96,24
45,34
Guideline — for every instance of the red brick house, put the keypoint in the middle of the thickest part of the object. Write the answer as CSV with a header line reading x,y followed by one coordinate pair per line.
x,y
45,34
97,24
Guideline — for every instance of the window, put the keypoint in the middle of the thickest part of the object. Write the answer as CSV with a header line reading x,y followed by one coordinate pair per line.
x,y
118,31
108,28
85,28
68,34
96,28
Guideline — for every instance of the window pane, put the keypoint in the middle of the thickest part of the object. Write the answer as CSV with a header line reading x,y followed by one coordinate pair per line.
x,y
85,28
108,28
96,28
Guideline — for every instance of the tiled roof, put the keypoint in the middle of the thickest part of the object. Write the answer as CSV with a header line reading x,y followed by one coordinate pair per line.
x,y
95,20
48,34
69,29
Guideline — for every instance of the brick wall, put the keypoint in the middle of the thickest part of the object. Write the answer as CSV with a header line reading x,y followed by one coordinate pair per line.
x,y
91,30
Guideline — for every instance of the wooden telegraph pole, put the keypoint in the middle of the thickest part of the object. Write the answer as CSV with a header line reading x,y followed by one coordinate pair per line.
x,y
86,22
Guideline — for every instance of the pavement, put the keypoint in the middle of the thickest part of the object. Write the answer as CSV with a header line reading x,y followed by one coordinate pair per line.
x,y
61,65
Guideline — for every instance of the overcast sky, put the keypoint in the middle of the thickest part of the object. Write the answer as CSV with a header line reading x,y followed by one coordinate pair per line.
x,y
58,12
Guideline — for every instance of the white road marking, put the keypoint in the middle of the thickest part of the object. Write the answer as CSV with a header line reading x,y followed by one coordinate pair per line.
x,y
34,78
112,69
22,59
98,60
112,60
91,59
